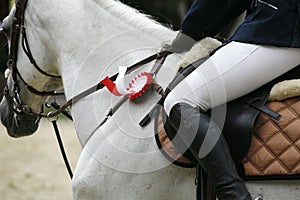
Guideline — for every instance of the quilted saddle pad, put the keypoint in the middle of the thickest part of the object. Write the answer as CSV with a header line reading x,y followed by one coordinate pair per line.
x,y
275,146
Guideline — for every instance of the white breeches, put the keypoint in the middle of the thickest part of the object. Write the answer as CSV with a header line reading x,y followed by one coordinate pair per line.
x,y
233,71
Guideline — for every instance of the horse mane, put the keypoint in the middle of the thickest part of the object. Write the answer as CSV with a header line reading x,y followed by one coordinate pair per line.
x,y
129,14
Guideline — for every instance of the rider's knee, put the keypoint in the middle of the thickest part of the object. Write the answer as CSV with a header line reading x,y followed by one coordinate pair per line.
x,y
170,101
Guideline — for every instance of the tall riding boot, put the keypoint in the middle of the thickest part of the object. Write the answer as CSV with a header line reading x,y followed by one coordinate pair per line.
x,y
197,132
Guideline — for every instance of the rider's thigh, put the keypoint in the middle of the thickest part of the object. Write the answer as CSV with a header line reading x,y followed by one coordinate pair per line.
x,y
233,71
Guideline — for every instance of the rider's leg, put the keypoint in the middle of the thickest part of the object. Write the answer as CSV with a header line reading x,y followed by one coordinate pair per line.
x,y
233,71
205,141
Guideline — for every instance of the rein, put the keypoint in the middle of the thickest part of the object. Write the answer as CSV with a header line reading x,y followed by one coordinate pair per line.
x,y
157,56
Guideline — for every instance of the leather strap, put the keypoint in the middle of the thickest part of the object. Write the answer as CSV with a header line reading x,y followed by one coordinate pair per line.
x,y
265,109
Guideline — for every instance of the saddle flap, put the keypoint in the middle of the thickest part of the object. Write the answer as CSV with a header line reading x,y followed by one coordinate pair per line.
x,y
163,136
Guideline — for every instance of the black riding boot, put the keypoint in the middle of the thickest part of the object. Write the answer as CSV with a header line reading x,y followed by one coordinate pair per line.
x,y
201,135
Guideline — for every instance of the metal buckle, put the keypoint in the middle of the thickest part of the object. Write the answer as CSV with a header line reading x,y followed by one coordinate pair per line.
x,y
259,198
10,63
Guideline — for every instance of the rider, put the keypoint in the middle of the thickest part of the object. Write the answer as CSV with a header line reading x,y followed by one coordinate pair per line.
x,y
263,47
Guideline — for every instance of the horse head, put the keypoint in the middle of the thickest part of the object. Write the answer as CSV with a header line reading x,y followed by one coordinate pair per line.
x,y
28,83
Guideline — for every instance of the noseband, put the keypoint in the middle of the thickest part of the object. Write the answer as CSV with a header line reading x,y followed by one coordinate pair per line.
x,y
13,97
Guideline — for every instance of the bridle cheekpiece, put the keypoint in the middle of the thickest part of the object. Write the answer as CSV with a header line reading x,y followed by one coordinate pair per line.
x,y
13,97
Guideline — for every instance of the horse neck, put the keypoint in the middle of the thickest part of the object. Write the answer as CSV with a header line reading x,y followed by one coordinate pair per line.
x,y
88,35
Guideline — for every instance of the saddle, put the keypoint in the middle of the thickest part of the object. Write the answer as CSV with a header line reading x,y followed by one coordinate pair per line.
x,y
263,137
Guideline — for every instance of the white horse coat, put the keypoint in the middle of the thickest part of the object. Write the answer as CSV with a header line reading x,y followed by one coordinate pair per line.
x,y
121,159
84,41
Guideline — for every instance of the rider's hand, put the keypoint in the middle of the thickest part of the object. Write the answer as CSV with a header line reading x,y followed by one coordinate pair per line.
x,y
180,44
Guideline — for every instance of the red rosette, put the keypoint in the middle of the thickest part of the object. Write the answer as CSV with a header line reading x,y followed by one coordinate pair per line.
x,y
139,85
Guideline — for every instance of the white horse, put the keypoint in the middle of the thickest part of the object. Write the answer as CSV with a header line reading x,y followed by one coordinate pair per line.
x,y
84,41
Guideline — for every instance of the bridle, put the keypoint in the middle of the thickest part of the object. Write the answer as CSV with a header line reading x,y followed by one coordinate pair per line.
x,y
13,97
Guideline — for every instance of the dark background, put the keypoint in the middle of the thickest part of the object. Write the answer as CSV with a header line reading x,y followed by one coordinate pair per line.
x,y
167,12
4,9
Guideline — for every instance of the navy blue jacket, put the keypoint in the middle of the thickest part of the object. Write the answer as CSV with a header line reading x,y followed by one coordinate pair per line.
x,y
270,22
